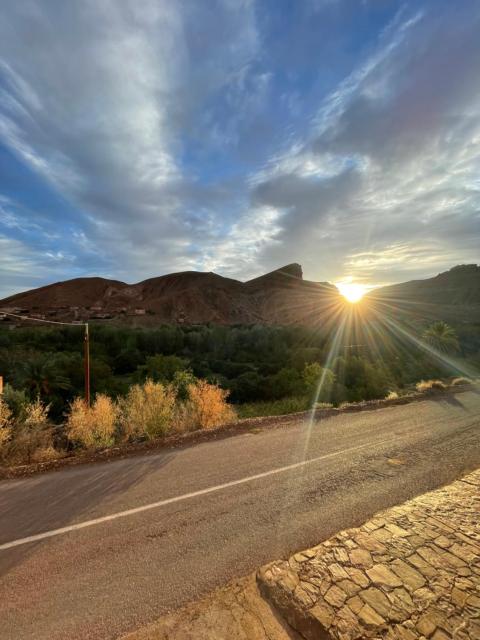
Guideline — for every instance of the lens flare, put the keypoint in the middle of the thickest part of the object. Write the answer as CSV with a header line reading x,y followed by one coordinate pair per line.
x,y
351,291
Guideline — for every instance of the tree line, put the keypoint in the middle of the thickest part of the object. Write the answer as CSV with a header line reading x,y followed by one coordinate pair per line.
x,y
254,364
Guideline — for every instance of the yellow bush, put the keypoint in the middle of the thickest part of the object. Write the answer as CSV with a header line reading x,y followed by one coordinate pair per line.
x,y
36,414
147,410
32,433
208,406
426,386
92,427
391,395
5,426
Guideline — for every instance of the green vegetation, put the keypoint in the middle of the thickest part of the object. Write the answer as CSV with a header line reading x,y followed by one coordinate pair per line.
x,y
264,369
441,337
292,404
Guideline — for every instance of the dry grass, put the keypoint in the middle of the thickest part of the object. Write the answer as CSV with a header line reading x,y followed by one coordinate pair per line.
x,y
207,406
147,410
430,386
32,434
92,427
459,381
324,405
36,414
5,426
45,454
391,395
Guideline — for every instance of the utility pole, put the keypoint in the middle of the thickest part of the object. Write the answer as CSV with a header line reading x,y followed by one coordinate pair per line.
x,y
87,365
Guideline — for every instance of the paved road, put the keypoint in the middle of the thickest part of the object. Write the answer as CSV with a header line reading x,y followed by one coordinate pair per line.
x,y
207,513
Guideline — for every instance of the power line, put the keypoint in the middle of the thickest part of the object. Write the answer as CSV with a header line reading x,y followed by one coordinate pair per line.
x,y
16,315
70,324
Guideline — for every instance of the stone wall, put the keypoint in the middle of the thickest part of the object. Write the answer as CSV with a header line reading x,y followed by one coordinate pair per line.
x,y
412,572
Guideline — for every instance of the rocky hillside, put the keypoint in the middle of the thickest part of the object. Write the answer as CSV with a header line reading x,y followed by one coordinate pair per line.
x,y
279,297
190,297
460,285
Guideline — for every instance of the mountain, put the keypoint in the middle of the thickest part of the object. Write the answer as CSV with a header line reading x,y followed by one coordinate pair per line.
x,y
190,297
453,296
459,285
279,297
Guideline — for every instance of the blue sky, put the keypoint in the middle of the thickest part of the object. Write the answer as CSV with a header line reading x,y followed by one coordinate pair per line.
x,y
141,137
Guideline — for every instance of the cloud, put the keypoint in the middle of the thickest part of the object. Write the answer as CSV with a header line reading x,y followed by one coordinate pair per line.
x,y
23,267
403,131
229,135
100,100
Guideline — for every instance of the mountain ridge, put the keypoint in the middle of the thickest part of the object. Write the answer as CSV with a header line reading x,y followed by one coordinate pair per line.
x,y
458,285
281,296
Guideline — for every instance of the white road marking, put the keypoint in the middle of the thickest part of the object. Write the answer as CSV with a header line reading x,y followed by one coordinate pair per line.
x,y
185,496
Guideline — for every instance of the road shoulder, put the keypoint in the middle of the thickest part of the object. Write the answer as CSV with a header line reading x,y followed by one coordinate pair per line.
x,y
236,612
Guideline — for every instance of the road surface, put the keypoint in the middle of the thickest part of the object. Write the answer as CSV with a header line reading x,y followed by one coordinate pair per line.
x,y
117,544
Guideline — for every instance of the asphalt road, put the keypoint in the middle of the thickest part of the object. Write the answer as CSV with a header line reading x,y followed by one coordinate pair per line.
x,y
207,513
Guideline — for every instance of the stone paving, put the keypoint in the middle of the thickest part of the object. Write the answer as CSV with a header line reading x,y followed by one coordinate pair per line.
x,y
412,572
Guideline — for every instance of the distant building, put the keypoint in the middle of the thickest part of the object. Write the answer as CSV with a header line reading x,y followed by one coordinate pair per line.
x,y
17,310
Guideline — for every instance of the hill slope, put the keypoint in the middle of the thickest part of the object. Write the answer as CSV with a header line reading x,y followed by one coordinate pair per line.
x,y
279,297
190,297
459,285
453,296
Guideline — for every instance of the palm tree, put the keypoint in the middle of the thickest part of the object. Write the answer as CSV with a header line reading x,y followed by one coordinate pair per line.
x,y
40,377
441,337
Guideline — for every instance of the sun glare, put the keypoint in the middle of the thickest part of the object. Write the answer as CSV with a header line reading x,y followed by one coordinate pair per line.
x,y
351,291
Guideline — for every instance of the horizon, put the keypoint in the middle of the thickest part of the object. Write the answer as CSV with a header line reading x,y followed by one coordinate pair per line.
x,y
347,288
138,140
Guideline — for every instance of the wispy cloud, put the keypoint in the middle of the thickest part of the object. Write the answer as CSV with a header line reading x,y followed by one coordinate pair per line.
x,y
238,136
392,156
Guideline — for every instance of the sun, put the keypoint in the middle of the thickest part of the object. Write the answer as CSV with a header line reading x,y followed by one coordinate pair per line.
x,y
352,291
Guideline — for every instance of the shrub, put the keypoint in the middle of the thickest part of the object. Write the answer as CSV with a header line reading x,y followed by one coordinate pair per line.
x,y
324,405
391,395
32,434
104,413
429,386
147,410
459,381
207,406
249,386
161,368
286,382
46,453
92,427
319,381
5,426
16,399
181,382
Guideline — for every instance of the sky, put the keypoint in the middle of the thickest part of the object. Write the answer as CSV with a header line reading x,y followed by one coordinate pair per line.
x,y
143,137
